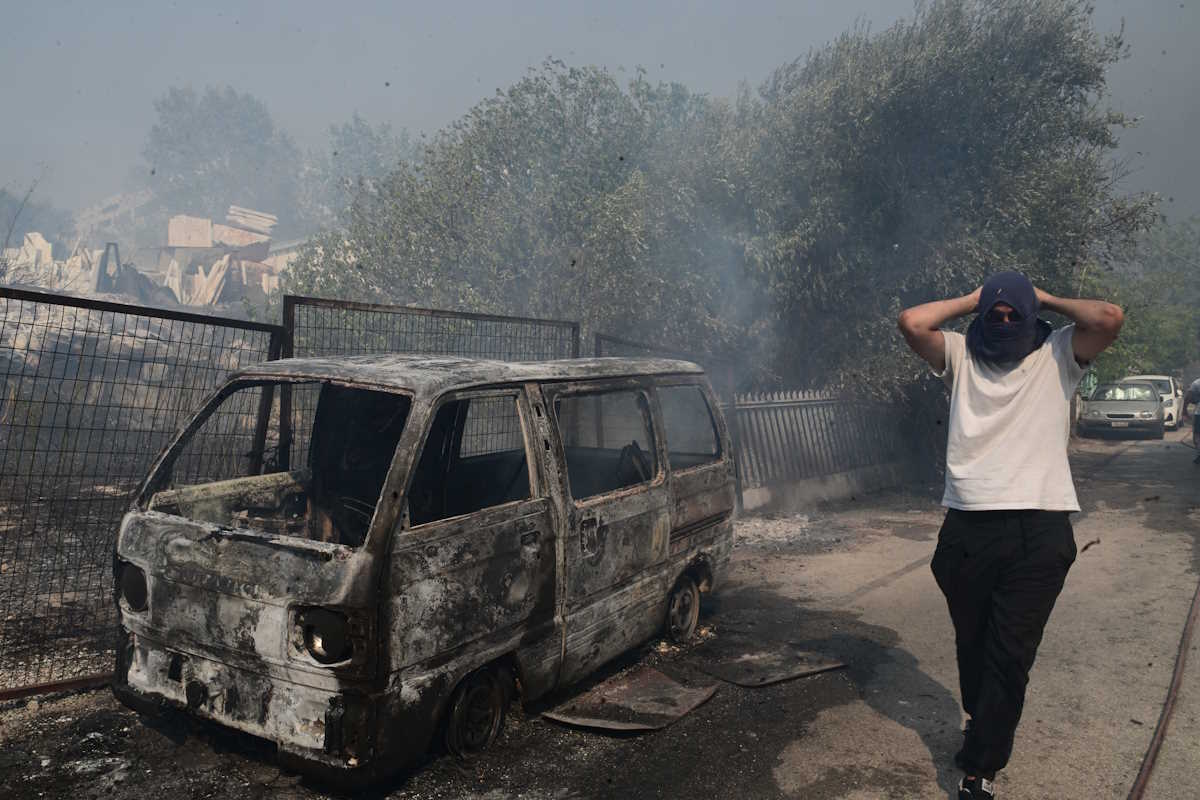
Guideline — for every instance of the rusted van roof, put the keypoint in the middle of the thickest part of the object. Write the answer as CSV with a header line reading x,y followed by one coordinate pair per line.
x,y
437,374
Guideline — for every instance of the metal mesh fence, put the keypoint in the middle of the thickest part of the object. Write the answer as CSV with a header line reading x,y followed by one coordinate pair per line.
x,y
91,392
321,327
721,374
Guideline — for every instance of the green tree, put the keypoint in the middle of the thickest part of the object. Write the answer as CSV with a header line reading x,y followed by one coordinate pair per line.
x,y
566,195
208,150
910,164
1159,291
787,226
357,156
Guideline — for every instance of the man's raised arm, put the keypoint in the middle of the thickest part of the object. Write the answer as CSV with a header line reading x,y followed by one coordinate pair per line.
x,y
1097,323
921,325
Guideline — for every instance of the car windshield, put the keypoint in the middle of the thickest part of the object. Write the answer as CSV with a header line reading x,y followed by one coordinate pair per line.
x,y
318,476
1125,391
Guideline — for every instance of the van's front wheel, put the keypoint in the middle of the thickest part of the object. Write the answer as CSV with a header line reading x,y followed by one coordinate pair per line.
x,y
476,713
683,610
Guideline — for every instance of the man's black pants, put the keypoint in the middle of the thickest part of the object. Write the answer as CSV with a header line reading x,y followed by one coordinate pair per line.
x,y
1001,572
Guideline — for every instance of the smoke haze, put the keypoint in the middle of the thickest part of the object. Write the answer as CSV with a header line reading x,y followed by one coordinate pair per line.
x,y
81,107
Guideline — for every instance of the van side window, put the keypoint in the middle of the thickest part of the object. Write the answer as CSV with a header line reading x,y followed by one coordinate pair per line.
x,y
474,458
608,441
688,423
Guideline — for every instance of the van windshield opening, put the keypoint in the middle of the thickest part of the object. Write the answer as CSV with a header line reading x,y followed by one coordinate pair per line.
x,y
319,477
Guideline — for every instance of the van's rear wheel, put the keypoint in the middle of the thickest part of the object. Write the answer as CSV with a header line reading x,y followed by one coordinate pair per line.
x,y
476,713
683,610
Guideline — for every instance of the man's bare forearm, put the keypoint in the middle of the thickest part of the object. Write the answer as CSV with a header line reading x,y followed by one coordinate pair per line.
x,y
1097,323
920,325
933,315
1086,314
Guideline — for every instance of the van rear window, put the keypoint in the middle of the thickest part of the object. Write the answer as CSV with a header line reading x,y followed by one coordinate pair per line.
x,y
317,478
689,427
608,441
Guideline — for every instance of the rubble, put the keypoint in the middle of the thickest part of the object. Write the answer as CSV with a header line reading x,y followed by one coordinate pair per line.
x,y
251,220
210,263
204,263
187,231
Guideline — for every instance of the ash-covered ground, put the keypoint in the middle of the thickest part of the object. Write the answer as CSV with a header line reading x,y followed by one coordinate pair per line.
x,y
849,580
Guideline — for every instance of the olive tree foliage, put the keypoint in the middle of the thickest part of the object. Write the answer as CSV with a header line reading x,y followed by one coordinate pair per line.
x,y
357,156
1160,291
566,195
900,167
208,150
787,226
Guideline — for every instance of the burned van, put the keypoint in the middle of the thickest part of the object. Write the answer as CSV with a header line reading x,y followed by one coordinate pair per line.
x,y
352,557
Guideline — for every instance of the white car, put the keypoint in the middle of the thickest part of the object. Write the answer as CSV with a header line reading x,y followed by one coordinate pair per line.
x,y
1171,393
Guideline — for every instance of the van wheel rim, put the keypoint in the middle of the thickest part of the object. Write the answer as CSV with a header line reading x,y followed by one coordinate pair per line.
x,y
682,611
478,721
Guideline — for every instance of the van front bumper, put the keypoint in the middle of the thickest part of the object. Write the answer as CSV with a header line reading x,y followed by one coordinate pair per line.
x,y
331,728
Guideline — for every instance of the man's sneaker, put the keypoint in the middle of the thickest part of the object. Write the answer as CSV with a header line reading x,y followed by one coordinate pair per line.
x,y
976,789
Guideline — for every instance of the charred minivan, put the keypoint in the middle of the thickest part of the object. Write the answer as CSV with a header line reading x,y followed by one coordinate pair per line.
x,y
353,557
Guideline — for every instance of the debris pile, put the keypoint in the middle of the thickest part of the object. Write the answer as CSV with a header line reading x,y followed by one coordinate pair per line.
x,y
84,271
204,263
211,263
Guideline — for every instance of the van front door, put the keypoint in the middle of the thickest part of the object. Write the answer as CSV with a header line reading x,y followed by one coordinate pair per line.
x,y
618,519
473,567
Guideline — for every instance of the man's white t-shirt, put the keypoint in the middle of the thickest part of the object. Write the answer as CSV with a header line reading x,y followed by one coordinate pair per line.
x,y
1009,426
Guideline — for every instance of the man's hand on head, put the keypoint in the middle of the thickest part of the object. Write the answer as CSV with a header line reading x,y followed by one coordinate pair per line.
x,y
975,296
921,325
1097,323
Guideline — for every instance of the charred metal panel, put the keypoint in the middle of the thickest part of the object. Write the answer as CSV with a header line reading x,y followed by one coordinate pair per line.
x,y
616,544
283,712
431,377
456,581
549,585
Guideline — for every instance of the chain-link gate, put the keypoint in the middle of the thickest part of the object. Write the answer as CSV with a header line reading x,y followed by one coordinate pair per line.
x,y
91,392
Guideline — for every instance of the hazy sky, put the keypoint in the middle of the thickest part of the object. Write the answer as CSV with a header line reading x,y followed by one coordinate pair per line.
x,y
80,77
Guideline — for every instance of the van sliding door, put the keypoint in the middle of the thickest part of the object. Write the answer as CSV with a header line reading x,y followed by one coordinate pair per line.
x,y
619,519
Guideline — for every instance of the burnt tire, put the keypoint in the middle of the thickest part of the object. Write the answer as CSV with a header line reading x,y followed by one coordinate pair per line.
x,y
683,610
475,714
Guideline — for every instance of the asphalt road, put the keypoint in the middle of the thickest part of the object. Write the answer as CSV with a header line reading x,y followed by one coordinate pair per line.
x,y
850,581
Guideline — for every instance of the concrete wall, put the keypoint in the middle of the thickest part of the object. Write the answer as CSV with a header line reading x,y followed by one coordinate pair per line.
x,y
804,492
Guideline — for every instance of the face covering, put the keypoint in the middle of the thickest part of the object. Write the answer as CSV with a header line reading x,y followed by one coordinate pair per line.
x,y
1010,341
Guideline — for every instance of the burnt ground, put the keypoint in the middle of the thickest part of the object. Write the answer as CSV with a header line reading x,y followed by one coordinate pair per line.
x,y
849,580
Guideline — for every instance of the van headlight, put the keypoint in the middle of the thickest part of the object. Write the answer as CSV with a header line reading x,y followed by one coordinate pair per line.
x,y
324,634
131,583
1145,415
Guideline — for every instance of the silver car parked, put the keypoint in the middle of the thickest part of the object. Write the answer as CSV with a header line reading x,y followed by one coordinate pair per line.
x,y
1123,406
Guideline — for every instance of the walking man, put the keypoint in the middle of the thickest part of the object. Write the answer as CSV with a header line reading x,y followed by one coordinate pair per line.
x,y
1192,396
1006,544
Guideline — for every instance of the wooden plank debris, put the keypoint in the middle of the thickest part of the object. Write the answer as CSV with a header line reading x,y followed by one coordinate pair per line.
x,y
188,231
251,220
